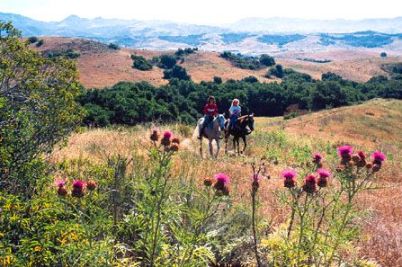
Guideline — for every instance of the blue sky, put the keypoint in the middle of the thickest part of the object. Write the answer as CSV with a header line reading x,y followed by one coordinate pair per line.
x,y
203,11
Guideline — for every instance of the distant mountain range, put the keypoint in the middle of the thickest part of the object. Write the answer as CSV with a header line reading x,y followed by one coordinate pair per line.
x,y
247,35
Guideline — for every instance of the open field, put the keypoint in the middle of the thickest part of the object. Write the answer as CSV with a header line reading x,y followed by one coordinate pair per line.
x,y
100,66
369,126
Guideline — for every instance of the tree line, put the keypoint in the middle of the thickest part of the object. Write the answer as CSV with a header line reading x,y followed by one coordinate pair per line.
x,y
182,100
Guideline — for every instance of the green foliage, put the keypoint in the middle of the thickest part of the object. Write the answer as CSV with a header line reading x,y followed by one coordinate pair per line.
x,y
267,60
276,71
180,53
250,79
243,62
69,53
167,61
131,103
114,46
140,63
40,43
217,80
33,39
176,72
319,226
330,76
38,108
322,61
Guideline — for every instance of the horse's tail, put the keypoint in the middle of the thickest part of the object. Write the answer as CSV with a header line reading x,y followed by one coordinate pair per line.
x,y
196,132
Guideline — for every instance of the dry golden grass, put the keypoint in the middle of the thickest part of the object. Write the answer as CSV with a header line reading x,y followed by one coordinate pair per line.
x,y
357,65
101,67
372,125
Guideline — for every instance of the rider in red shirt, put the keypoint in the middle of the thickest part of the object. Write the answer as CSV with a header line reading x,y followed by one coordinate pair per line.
x,y
210,111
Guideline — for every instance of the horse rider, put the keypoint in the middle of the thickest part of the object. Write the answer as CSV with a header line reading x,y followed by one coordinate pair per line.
x,y
235,113
210,111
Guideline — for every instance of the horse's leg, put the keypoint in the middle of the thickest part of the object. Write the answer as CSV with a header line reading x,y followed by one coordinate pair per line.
x,y
217,148
211,149
226,145
201,147
245,143
234,144
226,142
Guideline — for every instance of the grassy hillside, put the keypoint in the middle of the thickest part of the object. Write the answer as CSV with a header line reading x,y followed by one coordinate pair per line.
x,y
371,125
100,66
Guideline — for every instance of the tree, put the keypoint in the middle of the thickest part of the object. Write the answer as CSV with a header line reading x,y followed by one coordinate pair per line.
x,y
276,71
38,108
114,46
217,80
328,94
383,54
267,60
176,72
250,79
32,39
167,61
40,43
141,63
330,76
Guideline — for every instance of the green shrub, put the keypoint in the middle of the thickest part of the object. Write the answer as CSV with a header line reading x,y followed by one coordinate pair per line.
x,y
114,46
140,63
267,60
217,80
167,61
40,43
176,72
243,62
276,71
37,110
33,39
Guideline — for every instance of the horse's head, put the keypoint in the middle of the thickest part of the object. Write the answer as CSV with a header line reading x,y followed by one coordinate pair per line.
x,y
221,121
250,121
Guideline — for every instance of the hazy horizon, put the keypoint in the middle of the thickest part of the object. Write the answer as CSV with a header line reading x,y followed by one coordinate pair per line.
x,y
210,12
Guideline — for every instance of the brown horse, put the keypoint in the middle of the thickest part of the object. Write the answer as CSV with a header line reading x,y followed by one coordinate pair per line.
x,y
244,126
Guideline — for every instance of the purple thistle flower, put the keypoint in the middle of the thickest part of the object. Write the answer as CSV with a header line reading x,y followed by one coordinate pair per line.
x,y
59,182
78,184
289,174
345,151
310,184
167,134
317,157
222,178
378,157
323,173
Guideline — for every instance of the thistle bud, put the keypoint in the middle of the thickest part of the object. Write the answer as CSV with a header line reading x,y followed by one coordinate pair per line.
x,y
61,191
174,147
310,184
154,136
176,141
91,185
207,181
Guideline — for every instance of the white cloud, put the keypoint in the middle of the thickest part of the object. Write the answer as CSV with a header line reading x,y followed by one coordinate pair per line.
x,y
203,11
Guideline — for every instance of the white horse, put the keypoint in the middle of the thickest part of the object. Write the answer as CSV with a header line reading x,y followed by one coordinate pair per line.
x,y
212,132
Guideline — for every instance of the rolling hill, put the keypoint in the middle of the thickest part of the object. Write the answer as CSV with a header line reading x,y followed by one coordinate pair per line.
x,y
248,36
100,66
